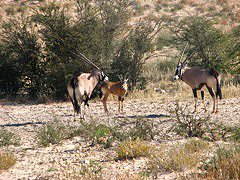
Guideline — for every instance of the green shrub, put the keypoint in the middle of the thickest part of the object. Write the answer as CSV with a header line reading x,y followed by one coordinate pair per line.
x,y
8,138
52,133
21,64
164,39
96,133
102,134
236,135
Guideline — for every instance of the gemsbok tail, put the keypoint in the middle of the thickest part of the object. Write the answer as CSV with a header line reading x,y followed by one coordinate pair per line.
x,y
216,75
74,84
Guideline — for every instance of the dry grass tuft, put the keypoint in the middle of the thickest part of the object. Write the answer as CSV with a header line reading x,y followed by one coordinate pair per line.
x,y
224,165
83,170
179,157
7,160
130,149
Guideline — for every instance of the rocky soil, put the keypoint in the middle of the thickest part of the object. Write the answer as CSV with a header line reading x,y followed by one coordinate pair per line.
x,y
34,162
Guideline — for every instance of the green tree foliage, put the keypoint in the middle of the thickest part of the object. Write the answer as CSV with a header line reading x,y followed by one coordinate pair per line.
x,y
20,65
131,54
36,54
211,44
235,51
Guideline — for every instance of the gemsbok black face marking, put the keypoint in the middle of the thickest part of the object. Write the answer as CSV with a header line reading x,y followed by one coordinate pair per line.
x,y
197,78
177,72
80,88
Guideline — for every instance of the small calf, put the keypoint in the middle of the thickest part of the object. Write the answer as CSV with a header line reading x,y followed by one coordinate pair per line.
x,y
116,88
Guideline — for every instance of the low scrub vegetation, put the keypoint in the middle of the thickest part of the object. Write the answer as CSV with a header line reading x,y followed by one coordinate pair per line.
x,y
130,149
8,138
7,160
102,135
225,164
135,128
84,170
195,125
236,135
93,132
177,157
52,133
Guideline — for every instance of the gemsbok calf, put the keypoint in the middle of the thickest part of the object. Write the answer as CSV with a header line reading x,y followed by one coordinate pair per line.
x,y
116,88
80,88
197,78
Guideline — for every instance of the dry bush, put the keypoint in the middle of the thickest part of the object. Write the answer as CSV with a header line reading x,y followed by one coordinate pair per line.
x,y
224,21
195,125
189,2
162,2
227,8
130,149
10,11
7,160
237,17
138,128
8,138
195,145
231,91
178,157
211,8
225,164
83,170
222,1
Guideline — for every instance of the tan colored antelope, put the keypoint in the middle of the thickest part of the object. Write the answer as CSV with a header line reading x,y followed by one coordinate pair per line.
x,y
197,78
116,88
80,88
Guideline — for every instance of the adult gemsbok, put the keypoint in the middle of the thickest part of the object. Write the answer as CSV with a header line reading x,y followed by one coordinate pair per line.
x,y
197,78
81,87
116,88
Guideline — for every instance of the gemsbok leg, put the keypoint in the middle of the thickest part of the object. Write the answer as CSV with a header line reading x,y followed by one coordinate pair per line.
x,y
119,103
216,104
202,95
210,90
195,99
122,103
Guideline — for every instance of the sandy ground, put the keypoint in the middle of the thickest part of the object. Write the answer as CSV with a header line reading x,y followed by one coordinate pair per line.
x,y
34,162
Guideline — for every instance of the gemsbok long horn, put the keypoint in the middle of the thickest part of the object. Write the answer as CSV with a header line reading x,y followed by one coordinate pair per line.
x,y
85,59
183,52
191,54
